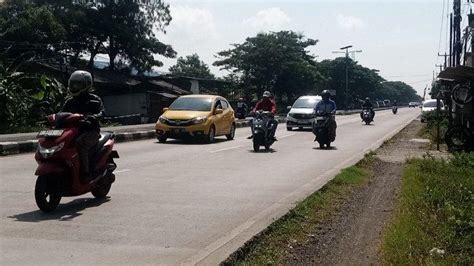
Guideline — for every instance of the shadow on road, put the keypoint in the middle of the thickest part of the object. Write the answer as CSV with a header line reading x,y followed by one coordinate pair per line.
x,y
190,142
332,148
64,212
263,151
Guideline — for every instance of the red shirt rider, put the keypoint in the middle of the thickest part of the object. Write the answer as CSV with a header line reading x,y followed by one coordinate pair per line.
x,y
266,104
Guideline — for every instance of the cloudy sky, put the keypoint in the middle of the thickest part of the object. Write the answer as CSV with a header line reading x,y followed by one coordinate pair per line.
x,y
399,37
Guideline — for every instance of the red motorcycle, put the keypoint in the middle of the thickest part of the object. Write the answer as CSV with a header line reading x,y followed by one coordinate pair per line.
x,y
59,164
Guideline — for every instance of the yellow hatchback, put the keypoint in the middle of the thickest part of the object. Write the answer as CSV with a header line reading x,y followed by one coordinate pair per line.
x,y
199,116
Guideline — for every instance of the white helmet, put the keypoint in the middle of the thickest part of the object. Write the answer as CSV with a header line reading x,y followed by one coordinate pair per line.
x,y
267,94
79,82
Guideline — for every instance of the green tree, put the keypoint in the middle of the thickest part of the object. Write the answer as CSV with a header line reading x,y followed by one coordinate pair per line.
x,y
276,61
192,66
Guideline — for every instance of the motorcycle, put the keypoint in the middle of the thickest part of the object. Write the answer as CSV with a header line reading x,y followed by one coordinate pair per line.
x,y
321,130
394,110
367,116
240,113
261,131
59,164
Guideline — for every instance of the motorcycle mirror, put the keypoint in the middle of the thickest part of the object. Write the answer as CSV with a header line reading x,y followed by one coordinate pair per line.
x,y
165,109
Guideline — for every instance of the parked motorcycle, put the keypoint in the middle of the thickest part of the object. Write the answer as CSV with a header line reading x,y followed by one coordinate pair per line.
x,y
367,116
394,110
261,130
321,130
59,164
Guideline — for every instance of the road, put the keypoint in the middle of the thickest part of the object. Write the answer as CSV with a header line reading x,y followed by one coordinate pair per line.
x,y
179,203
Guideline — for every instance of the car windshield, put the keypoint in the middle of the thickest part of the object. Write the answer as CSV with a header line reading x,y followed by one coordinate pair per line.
x,y
192,104
431,104
305,103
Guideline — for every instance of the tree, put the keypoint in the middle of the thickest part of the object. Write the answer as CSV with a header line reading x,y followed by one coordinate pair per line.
x,y
276,61
192,66
123,29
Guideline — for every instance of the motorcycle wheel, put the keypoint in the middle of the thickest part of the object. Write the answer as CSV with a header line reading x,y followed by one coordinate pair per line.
x,y
46,199
256,146
162,139
289,128
367,122
457,139
321,145
101,190
231,135
267,147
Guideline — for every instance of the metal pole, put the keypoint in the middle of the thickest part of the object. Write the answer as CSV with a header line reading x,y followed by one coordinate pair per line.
x,y
438,118
451,57
347,84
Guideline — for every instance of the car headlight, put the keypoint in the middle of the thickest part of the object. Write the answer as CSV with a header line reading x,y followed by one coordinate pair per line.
x,y
199,120
162,119
48,152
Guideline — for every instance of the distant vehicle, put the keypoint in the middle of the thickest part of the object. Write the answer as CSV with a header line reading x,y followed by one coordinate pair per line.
x,y
429,106
301,114
413,104
387,102
197,116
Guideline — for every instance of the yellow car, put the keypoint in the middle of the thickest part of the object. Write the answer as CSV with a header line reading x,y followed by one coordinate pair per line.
x,y
200,116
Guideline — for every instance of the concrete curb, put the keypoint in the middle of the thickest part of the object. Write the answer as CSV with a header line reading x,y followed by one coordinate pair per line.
x,y
11,148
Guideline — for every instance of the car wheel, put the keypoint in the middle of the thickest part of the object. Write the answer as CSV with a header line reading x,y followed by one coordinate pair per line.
x,y
231,134
162,139
212,135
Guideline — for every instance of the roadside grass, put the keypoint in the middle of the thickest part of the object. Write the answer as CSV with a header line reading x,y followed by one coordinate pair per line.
x,y
429,130
436,214
273,245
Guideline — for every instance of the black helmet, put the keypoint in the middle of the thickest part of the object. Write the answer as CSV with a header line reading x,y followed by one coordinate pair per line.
x,y
325,94
79,82
367,99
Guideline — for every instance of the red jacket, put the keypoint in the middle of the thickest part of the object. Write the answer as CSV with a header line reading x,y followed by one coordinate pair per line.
x,y
266,105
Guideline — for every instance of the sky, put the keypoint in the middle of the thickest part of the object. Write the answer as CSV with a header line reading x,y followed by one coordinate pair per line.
x,y
400,38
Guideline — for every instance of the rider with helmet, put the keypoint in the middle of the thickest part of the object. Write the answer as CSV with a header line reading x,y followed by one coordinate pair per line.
x,y
328,107
241,108
79,87
367,105
268,105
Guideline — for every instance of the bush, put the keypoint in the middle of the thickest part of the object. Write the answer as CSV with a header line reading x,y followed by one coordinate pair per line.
x,y
431,119
436,214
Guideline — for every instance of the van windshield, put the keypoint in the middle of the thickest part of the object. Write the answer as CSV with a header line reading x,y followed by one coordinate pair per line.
x,y
305,103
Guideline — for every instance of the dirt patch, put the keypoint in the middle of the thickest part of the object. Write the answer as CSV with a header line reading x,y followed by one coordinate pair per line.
x,y
353,235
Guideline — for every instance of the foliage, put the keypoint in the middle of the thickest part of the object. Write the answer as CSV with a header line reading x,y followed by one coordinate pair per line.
x,y
275,61
436,212
25,98
192,66
431,129
123,29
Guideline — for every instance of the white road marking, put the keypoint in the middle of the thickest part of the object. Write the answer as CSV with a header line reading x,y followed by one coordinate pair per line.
x,y
122,171
287,135
226,149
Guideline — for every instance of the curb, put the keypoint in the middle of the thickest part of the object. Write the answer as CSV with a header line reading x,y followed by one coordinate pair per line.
x,y
11,148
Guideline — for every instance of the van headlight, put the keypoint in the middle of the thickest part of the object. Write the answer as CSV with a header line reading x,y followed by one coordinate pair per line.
x,y
199,120
48,152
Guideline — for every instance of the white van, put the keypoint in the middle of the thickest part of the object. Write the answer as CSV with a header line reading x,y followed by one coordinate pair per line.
x,y
301,114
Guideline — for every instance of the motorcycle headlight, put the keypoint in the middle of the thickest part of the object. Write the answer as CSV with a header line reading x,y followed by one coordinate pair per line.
x,y
199,120
48,152
162,119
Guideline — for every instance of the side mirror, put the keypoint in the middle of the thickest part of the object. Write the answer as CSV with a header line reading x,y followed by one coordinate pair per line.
x,y
165,109
218,111
288,107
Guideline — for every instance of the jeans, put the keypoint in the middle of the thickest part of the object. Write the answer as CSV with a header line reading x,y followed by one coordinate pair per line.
x,y
84,144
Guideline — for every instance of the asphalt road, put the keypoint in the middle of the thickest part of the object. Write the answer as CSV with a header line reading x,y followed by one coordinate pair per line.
x,y
178,203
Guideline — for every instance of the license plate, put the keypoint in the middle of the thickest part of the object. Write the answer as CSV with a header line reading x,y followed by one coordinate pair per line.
x,y
178,130
50,133
304,121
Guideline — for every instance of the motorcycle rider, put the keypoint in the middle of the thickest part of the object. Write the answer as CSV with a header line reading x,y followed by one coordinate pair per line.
x,y
241,106
268,105
327,106
367,105
79,86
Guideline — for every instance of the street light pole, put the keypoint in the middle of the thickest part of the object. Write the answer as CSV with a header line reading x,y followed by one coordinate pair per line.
x,y
347,69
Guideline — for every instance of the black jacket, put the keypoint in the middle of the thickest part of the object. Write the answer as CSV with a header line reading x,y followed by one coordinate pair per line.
x,y
93,113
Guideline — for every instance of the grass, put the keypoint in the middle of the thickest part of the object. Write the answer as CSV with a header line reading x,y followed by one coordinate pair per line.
x,y
436,211
273,245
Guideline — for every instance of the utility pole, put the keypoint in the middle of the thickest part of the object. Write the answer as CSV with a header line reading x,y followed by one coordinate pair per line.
x,y
445,59
440,67
346,48
457,42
